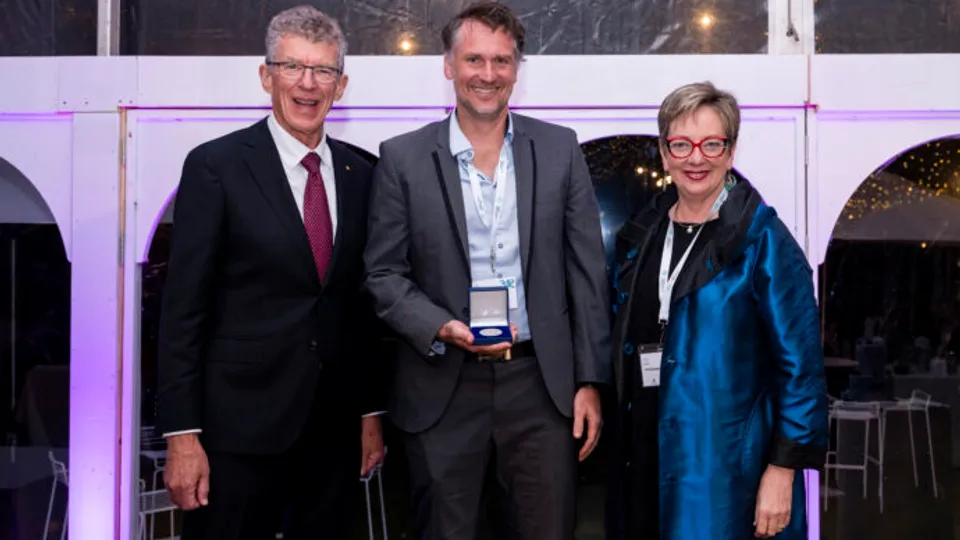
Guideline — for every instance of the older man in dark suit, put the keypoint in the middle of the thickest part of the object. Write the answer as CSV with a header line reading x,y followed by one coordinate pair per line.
x,y
487,198
263,372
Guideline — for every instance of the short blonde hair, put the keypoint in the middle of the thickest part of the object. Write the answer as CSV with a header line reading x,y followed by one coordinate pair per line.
x,y
688,98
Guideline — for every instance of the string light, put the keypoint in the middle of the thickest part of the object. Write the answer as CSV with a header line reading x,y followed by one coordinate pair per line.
x,y
942,178
407,44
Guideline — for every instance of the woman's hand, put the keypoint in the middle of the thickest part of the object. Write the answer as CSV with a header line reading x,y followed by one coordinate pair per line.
x,y
774,501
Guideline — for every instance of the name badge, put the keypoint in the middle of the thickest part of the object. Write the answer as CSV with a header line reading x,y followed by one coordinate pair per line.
x,y
508,282
650,365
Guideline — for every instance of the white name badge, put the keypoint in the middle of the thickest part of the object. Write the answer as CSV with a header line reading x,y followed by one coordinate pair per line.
x,y
508,282
650,368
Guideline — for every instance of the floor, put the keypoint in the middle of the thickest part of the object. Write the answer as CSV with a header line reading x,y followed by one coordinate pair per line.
x,y
910,511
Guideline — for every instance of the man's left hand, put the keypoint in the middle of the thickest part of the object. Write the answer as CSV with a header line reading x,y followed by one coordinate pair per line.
x,y
586,409
774,501
371,442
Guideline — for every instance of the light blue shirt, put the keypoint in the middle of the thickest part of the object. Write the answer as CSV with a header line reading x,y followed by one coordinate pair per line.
x,y
505,237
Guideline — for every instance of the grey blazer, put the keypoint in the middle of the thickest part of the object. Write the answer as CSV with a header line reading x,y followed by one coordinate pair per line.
x,y
418,269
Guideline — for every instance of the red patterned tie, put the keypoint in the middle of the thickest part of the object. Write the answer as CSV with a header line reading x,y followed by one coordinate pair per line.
x,y
316,215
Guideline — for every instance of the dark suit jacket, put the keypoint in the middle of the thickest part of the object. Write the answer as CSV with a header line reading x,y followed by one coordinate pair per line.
x,y
418,269
247,330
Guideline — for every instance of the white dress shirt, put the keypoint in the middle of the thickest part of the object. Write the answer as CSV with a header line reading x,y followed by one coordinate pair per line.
x,y
292,152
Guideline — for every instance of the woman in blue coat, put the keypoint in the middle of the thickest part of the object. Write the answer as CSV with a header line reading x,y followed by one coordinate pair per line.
x,y
722,401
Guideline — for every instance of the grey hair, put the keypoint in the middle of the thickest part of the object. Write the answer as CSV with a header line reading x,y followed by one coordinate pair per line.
x,y
688,98
308,23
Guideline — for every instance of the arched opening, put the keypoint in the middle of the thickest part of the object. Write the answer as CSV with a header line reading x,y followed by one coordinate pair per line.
x,y
34,360
890,300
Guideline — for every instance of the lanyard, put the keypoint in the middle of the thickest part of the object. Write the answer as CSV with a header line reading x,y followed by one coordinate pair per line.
x,y
500,183
667,279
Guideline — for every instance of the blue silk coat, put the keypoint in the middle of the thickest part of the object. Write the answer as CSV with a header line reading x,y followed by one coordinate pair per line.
x,y
742,381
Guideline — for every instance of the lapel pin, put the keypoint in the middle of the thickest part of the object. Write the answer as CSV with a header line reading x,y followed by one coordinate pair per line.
x,y
347,167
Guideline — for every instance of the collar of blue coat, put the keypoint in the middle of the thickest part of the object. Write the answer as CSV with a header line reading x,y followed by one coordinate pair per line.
x,y
741,217
459,142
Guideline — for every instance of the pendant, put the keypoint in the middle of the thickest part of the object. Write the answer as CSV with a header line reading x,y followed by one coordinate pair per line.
x,y
689,229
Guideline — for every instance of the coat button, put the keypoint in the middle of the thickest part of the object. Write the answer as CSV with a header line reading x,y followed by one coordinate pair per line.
x,y
628,349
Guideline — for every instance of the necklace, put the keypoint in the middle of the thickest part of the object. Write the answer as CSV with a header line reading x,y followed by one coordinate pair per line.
x,y
688,226
685,224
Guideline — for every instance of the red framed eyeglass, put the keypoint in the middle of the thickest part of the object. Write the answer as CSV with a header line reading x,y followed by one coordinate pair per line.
x,y
683,147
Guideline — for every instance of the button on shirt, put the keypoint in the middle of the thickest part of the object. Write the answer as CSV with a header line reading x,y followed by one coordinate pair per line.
x,y
506,238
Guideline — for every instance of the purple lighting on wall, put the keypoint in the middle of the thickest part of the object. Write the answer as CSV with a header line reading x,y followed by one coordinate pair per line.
x,y
637,107
813,505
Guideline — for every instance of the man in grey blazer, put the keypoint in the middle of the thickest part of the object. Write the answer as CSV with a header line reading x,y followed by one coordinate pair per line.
x,y
488,198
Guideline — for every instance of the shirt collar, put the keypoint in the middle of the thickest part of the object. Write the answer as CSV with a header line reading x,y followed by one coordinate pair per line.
x,y
459,143
293,151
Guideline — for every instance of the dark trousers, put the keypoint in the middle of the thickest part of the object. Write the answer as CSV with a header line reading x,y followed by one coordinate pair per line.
x,y
500,416
316,481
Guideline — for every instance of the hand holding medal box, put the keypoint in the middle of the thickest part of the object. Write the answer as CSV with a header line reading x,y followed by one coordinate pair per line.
x,y
490,315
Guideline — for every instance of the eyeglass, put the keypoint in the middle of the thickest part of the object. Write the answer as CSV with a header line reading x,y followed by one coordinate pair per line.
x,y
682,147
294,70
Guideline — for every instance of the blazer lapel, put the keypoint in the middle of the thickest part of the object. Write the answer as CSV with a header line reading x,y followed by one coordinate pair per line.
x,y
267,171
343,178
525,173
448,173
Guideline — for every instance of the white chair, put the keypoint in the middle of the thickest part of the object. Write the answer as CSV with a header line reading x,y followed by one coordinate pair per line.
x,y
152,503
866,413
377,473
918,401
153,448
59,477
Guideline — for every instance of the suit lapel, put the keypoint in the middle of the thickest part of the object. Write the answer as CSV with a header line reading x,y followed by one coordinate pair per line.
x,y
267,171
448,173
343,178
525,173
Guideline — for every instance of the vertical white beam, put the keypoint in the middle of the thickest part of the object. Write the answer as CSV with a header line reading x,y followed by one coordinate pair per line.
x,y
94,328
108,27
132,272
792,31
